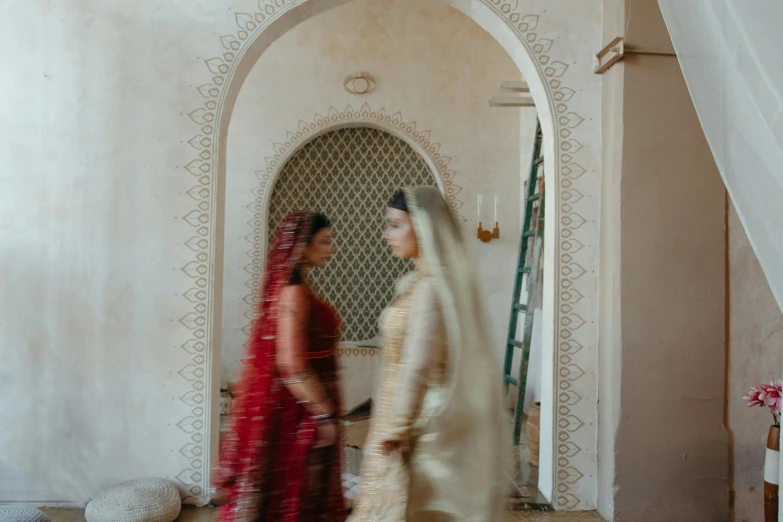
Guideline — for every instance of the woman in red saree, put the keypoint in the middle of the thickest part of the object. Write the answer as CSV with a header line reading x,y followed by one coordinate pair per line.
x,y
281,459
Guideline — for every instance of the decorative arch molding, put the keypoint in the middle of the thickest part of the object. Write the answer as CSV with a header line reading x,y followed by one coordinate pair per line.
x,y
568,98
395,124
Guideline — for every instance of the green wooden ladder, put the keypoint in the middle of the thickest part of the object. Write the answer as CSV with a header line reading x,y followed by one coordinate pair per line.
x,y
528,269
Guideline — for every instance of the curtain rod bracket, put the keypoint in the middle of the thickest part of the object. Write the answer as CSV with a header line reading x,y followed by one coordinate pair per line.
x,y
609,55
616,51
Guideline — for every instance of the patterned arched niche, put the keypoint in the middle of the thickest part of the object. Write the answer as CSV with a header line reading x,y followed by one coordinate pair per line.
x,y
419,141
348,174
567,94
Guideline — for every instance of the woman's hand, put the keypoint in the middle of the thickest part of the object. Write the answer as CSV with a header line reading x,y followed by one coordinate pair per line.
x,y
219,497
220,488
327,435
400,447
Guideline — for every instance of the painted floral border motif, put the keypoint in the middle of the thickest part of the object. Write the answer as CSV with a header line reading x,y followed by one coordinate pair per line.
x,y
571,409
359,352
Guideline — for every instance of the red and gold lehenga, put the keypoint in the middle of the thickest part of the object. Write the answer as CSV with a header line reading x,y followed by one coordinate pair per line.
x,y
269,469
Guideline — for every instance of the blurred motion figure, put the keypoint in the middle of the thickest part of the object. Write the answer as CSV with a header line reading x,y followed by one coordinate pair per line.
x,y
280,459
437,444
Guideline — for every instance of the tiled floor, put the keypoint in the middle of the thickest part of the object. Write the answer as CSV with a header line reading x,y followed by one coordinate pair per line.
x,y
205,515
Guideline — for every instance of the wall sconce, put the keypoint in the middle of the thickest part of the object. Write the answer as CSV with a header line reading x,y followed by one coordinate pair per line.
x,y
486,235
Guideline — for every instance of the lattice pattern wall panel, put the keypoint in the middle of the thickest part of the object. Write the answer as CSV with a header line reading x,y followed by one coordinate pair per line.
x,y
349,175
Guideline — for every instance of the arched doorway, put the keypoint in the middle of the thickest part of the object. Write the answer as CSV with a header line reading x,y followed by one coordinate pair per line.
x,y
572,239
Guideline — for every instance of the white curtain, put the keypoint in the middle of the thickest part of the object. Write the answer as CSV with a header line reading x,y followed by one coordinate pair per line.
x,y
731,53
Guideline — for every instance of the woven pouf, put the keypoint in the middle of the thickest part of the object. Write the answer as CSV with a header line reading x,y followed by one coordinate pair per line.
x,y
22,514
144,500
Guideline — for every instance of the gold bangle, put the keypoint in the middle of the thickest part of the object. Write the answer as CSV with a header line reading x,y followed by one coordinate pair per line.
x,y
297,379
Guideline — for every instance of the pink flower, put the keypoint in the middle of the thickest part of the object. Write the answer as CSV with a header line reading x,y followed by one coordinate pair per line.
x,y
753,398
769,395
772,396
774,404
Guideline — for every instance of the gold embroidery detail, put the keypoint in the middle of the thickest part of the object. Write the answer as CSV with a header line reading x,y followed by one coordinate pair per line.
x,y
384,490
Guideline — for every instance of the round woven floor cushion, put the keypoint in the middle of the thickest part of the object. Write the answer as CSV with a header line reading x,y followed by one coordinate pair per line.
x,y
22,514
144,500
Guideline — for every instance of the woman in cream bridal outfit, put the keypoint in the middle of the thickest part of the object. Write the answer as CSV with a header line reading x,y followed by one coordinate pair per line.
x,y
438,444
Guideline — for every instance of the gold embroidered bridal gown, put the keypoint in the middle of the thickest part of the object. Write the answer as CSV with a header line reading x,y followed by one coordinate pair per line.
x,y
410,366
440,391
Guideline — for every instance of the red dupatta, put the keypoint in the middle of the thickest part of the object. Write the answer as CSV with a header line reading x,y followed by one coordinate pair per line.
x,y
263,453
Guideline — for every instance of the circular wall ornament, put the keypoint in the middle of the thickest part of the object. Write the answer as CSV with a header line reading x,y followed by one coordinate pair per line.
x,y
360,84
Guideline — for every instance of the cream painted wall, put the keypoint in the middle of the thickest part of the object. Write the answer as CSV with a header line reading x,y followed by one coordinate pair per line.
x,y
610,314
106,287
90,343
754,357
431,63
673,295
673,307
663,291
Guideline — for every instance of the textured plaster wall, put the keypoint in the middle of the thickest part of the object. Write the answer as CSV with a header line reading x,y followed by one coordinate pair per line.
x,y
663,291
92,191
755,355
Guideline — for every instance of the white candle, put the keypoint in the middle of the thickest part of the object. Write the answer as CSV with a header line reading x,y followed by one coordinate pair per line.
x,y
479,208
496,208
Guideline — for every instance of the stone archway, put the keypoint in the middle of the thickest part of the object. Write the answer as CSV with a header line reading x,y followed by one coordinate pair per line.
x,y
568,99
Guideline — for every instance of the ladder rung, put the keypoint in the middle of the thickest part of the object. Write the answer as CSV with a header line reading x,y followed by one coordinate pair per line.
x,y
534,197
538,161
525,357
510,380
524,270
518,344
529,233
520,308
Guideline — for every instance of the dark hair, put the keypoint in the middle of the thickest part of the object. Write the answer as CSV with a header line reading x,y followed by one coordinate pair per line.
x,y
318,222
398,201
